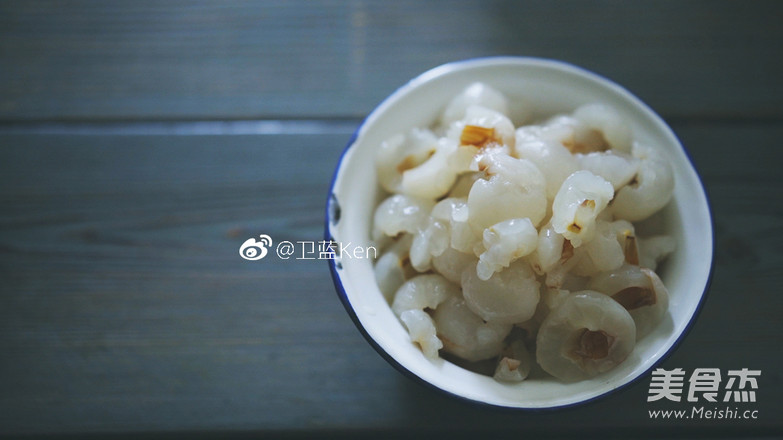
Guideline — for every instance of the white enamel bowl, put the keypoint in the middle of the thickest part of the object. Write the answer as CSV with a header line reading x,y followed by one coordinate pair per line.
x,y
550,87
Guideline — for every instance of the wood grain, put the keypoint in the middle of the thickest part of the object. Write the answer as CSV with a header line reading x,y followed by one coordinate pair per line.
x,y
142,142
125,306
310,59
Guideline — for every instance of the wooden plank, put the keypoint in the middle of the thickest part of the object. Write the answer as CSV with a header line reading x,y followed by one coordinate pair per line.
x,y
307,59
124,306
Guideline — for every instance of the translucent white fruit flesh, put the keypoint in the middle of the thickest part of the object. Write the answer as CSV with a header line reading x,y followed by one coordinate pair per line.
x,y
509,296
580,199
604,120
638,290
588,334
515,363
402,152
400,213
434,177
466,335
453,263
616,167
475,94
482,127
506,242
412,302
554,161
649,191
392,268
652,250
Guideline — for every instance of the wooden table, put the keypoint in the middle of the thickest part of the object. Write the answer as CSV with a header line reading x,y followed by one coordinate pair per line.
x,y
141,142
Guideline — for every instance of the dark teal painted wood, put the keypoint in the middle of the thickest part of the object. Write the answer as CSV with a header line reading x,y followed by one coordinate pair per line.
x,y
293,59
125,306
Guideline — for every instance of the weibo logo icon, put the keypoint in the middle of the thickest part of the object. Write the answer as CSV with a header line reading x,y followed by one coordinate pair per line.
x,y
255,250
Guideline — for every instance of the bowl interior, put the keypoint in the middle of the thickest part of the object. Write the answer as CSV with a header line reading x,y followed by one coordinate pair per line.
x,y
548,87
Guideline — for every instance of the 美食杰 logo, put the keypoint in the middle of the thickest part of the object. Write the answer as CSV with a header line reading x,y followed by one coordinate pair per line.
x,y
713,394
